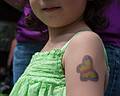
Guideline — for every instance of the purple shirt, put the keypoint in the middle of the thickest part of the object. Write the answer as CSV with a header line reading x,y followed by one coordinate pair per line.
x,y
111,34
30,28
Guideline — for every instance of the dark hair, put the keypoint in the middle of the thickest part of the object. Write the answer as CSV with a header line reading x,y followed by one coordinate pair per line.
x,y
93,15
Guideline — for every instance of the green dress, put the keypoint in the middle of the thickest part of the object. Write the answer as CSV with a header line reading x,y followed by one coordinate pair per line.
x,y
44,76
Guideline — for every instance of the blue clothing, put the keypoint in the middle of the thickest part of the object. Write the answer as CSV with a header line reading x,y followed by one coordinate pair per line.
x,y
111,38
22,56
113,53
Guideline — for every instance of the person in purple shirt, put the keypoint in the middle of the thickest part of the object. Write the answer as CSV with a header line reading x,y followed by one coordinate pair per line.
x,y
111,37
31,37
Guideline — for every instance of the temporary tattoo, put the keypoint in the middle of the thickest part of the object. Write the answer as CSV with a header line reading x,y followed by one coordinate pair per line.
x,y
86,69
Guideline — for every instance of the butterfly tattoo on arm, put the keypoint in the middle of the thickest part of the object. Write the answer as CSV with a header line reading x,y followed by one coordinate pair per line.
x,y
86,69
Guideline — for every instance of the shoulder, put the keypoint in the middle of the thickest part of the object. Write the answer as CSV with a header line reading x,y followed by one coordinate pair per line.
x,y
87,36
84,44
86,39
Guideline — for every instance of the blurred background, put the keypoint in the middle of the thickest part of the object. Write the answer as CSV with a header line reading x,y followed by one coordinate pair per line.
x,y
8,19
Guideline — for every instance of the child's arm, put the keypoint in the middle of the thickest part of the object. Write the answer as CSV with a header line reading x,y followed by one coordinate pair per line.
x,y
10,57
18,4
85,67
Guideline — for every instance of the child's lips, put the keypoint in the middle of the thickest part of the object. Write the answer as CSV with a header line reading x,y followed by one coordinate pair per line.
x,y
50,9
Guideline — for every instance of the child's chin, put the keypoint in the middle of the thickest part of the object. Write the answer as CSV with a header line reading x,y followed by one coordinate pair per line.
x,y
56,25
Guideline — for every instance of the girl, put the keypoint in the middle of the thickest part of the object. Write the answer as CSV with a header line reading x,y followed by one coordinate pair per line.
x,y
73,62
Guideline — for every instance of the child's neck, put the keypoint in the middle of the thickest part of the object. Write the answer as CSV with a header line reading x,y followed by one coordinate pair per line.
x,y
55,34
58,37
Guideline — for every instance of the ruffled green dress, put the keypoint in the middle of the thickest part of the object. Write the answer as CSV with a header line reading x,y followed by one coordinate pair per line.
x,y
44,76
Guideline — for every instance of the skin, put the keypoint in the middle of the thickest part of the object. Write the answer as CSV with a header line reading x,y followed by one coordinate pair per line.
x,y
63,24
68,12
74,59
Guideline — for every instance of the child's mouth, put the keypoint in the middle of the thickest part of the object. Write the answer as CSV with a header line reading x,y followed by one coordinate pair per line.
x,y
50,9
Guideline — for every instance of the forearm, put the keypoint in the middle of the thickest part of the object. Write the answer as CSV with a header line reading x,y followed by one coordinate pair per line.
x,y
18,4
12,47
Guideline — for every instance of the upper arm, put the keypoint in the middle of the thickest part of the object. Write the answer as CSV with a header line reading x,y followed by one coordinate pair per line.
x,y
85,66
